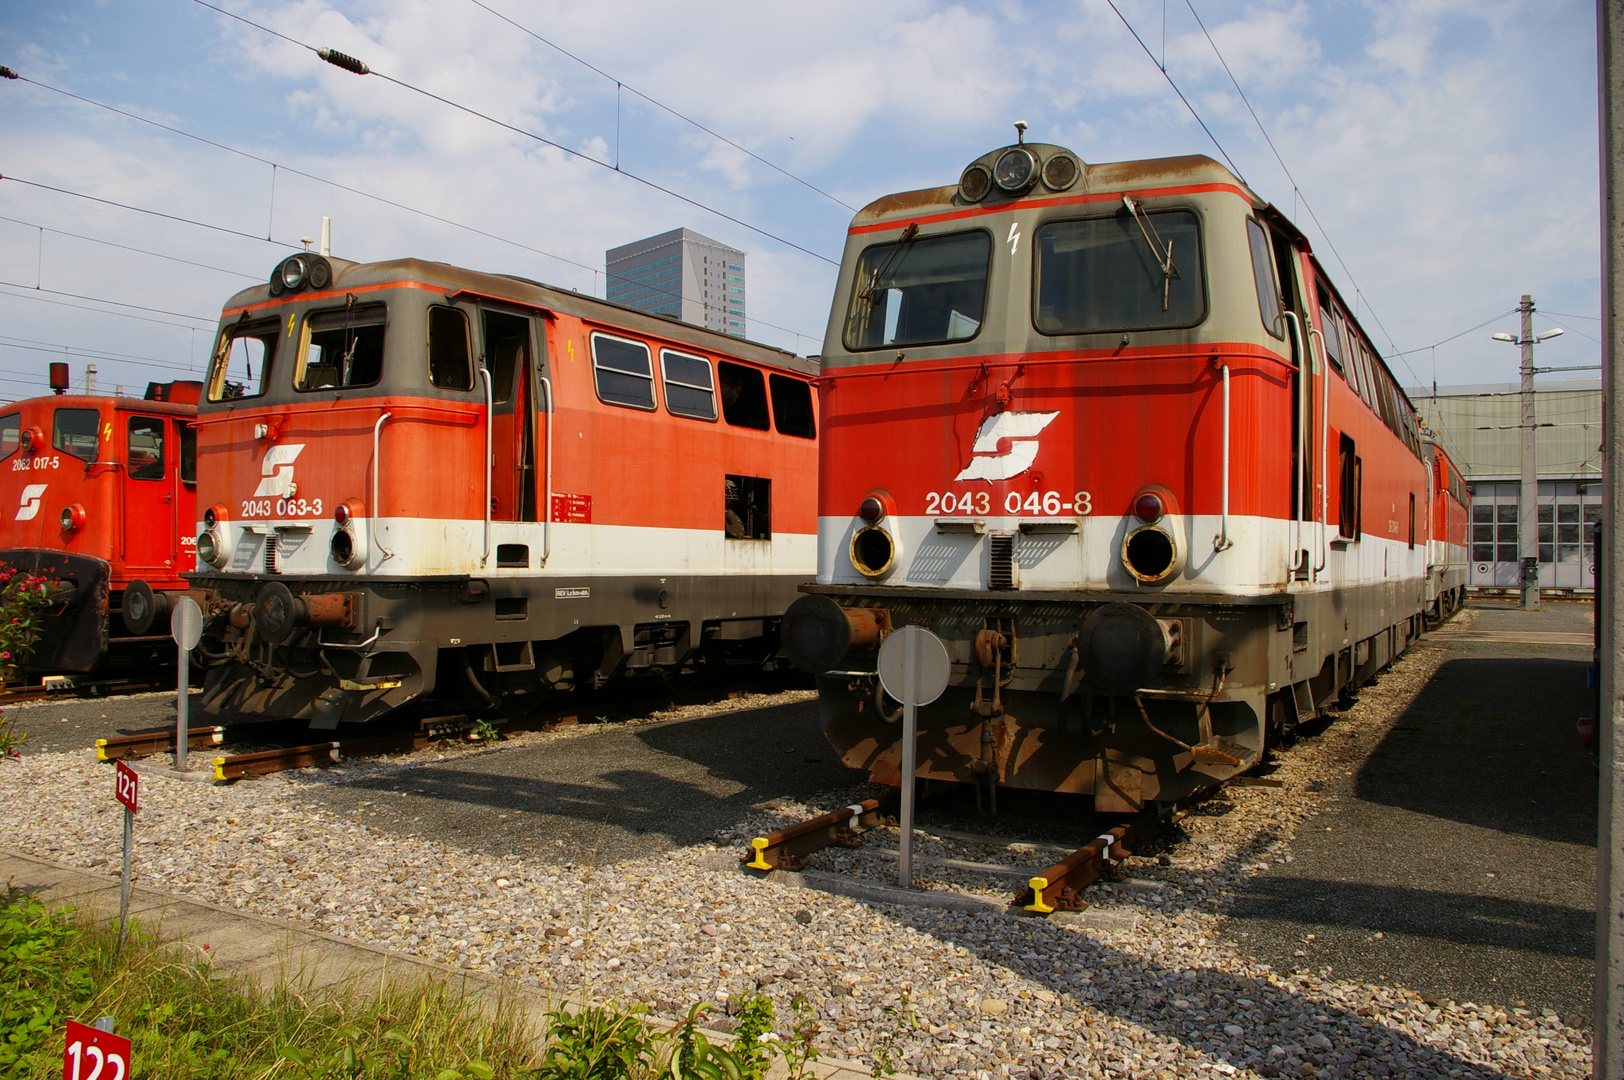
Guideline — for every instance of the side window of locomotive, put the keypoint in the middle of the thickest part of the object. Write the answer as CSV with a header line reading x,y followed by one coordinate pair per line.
x,y
689,387
919,292
792,407
144,449
744,396
343,348
188,453
1124,272
1350,489
1268,285
451,362
11,434
747,507
623,372
243,359
1328,330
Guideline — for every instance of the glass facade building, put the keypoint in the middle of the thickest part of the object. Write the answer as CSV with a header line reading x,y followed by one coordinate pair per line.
x,y
681,274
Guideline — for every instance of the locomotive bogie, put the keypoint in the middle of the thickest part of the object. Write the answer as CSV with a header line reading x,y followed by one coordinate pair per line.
x,y
519,490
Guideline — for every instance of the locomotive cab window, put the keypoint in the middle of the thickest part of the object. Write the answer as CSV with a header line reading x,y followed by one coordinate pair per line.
x,y
188,452
748,507
11,434
1129,271
623,372
744,396
689,389
74,431
792,407
342,348
1349,501
451,362
1268,284
919,292
243,360
144,448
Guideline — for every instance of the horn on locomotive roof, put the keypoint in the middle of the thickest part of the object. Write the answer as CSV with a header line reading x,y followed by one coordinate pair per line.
x,y
61,379
1020,132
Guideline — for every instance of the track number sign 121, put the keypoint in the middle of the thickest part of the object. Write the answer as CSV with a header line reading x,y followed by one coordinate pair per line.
x,y
93,1054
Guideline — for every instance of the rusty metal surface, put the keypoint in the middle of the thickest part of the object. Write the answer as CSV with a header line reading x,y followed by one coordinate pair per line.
x,y
280,759
1059,888
787,849
147,743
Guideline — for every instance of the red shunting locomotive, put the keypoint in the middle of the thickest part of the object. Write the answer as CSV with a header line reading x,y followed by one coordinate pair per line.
x,y
1111,432
99,492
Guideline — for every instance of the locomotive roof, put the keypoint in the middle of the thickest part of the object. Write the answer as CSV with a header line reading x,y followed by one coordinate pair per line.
x,y
1108,176
96,401
525,292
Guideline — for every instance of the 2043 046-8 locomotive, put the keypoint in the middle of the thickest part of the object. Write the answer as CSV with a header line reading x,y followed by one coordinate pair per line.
x,y
1110,432
427,486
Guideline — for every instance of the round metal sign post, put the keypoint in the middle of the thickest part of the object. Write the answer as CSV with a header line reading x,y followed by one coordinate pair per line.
x,y
914,669
186,627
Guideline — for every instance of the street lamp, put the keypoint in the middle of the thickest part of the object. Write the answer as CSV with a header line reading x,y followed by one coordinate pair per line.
x,y
1528,512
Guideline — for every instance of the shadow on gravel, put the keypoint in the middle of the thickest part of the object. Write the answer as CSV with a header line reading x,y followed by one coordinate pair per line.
x,y
1462,918
1491,742
1144,993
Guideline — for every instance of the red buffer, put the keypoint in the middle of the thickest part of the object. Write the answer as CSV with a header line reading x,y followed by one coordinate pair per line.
x,y
100,493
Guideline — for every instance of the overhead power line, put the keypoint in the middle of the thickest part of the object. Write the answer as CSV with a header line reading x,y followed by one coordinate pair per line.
x,y
29,345
661,105
359,67
1463,333
30,293
152,213
380,199
127,247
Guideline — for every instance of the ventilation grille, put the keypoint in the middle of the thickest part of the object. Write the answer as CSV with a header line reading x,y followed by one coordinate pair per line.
x,y
1001,550
270,554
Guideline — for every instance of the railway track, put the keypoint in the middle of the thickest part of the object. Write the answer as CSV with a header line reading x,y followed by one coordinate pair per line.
x,y
297,752
66,686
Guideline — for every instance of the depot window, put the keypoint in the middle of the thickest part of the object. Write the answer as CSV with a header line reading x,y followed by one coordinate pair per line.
x,y
451,363
919,292
792,407
623,371
74,432
1129,271
144,450
342,348
11,434
243,359
689,387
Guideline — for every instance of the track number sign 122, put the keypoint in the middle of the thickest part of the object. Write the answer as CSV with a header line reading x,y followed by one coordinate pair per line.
x,y
93,1054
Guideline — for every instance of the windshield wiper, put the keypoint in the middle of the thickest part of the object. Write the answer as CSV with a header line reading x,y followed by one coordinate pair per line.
x,y
1162,251
885,273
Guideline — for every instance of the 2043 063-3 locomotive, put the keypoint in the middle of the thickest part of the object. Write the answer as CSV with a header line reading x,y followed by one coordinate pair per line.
x,y
427,486
97,493
1111,432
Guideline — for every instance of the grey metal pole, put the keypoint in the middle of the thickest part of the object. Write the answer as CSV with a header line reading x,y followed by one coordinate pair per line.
x,y
1608,1055
124,884
910,748
1528,513
183,680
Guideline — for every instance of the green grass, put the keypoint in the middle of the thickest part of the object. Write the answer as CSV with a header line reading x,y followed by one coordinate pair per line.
x,y
188,1022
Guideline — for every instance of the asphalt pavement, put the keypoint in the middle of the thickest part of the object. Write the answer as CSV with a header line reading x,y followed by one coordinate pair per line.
x,y
1458,858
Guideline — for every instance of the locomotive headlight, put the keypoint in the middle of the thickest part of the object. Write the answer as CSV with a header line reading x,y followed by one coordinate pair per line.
x,y
290,273
1151,555
214,515
1014,170
1060,172
207,550
1148,508
873,552
347,547
33,440
974,184
341,514
872,511
73,518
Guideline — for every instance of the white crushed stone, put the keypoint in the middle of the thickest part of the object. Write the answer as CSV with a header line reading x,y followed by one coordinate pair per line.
x,y
993,995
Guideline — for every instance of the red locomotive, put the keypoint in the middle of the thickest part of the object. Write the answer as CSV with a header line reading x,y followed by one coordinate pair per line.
x,y
428,484
1447,531
99,492
1111,432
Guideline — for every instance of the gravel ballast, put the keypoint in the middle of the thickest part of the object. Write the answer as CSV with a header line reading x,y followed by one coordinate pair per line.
x,y
1141,984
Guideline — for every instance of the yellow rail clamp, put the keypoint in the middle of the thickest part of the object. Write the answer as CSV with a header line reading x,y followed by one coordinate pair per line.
x,y
219,768
760,861
101,749
1038,884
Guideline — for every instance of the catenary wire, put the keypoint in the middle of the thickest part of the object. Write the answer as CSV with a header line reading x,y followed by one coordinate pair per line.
x,y
127,247
1463,333
30,293
384,200
364,69
662,106
1298,190
152,213
93,354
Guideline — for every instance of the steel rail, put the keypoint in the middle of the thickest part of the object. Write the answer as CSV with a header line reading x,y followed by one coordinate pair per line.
x,y
787,849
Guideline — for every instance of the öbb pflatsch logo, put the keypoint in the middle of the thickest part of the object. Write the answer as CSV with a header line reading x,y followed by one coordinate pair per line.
x,y
278,471
33,495
1006,445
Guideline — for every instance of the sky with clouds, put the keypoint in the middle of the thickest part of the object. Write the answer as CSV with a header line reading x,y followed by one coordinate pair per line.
x,y
1445,148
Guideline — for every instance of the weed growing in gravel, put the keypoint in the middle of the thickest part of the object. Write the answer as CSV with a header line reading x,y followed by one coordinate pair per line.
x,y
187,1022
899,1021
